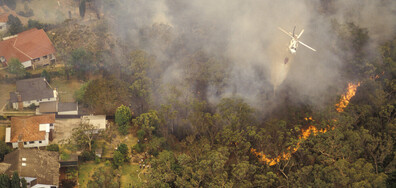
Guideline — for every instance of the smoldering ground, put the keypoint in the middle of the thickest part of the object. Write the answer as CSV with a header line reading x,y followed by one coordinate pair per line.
x,y
244,35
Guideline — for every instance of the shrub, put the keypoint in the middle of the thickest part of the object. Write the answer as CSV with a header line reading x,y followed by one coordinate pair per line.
x,y
87,156
53,147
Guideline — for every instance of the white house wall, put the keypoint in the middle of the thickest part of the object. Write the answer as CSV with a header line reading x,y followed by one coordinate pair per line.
x,y
3,26
33,145
68,113
27,64
35,102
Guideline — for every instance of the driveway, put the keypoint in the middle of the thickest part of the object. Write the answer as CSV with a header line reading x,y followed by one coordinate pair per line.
x,y
64,127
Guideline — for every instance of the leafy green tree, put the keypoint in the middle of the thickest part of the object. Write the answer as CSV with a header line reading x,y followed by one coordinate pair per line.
x,y
148,122
5,180
4,149
79,94
83,136
46,75
24,183
118,159
141,87
80,63
123,149
164,165
155,145
123,117
15,181
87,155
105,177
140,134
15,25
16,67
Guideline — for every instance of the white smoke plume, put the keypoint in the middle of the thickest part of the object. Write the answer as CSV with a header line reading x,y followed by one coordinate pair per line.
x,y
245,34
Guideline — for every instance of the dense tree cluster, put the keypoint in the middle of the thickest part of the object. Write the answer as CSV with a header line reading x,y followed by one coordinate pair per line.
x,y
13,182
196,143
221,144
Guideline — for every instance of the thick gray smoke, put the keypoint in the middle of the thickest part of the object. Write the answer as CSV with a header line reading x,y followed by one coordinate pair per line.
x,y
245,34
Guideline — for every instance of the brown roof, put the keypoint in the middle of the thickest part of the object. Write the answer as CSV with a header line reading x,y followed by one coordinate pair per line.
x,y
40,164
27,45
25,129
47,107
4,17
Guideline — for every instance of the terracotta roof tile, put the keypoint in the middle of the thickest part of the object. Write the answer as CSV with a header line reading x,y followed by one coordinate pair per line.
x,y
25,129
27,45
4,17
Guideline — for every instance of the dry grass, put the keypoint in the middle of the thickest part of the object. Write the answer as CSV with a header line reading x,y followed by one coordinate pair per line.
x,y
2,132
132,175
46,11
5,90
66,88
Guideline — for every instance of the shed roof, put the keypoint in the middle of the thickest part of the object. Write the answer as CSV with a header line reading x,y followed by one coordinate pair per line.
x,y
48,107
67,106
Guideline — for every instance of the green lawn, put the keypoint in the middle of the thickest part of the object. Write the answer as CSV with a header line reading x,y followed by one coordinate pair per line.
x,y
85,171
5,93
130,176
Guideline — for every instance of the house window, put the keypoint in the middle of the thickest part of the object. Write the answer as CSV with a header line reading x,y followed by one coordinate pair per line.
x,y
1,27
24,143
31,142
40,142
45,57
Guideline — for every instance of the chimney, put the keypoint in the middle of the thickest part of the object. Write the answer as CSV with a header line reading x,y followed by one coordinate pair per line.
x,y
20,103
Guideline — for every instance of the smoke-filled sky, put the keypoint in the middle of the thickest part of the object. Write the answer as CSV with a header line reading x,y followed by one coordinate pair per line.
x,y
245,34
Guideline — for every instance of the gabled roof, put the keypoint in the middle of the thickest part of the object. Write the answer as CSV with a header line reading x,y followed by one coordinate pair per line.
x,y
27,45
41,164
25,129
32,89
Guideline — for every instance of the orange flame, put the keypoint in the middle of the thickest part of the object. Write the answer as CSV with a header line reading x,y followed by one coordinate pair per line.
x,y
311,129
345,98
286,156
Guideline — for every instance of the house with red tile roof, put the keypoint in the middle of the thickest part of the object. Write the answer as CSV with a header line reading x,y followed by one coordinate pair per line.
x,y
30,131
33,48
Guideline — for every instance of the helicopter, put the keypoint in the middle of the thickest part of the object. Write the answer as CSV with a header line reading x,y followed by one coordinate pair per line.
x,y
294,42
